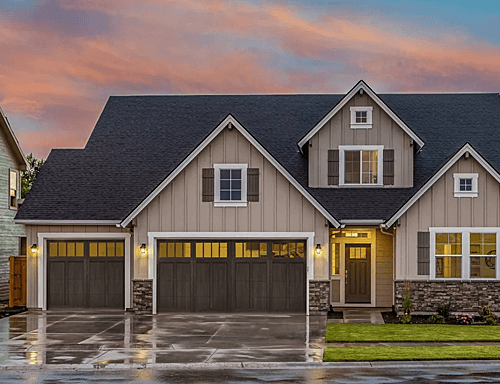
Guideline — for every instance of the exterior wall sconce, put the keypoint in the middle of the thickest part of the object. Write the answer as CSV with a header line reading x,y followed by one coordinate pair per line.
x,y
143,249
33,249
318,249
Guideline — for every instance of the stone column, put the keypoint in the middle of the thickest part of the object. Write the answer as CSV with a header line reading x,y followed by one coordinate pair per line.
x,y
142,302
319,297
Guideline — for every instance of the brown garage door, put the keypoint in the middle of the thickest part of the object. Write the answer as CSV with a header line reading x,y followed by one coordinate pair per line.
x,y
232,276
85,274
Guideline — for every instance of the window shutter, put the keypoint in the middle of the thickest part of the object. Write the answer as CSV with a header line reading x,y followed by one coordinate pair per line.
x,y
208,184
424,252
253,184
388,166
333,167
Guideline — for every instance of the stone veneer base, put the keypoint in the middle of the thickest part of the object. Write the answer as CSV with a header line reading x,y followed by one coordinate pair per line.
x,y
427,296
142,302
319,297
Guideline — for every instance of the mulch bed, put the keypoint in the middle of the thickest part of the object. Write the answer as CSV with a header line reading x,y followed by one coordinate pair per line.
x,y
392,318
339,315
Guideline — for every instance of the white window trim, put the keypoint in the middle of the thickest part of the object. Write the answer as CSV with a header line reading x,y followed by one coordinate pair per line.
x,y
18,193
224,203
380,165
458,192
465,231
369,119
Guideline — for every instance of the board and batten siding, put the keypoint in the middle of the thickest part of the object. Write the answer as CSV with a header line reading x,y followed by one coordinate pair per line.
x,y
384,283
32,232
281,207
338,131
9,231
438,207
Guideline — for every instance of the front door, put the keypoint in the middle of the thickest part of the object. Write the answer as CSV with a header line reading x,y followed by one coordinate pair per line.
x,y
357,273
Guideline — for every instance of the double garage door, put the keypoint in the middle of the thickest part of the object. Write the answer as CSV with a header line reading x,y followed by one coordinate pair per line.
x,y
231,276
85,274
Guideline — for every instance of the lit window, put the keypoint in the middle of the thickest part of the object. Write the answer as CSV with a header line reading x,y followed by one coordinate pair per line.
x,y
449,244
361,165
13,189
361,117
230,184
466,184
483,250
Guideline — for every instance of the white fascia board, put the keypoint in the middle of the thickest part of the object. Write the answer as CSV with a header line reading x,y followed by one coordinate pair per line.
x,y
362,222
202,146
361,85
14,140
67,222
466,148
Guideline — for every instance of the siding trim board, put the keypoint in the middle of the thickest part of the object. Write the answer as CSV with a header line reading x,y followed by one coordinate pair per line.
x,y
360,85
228,120
461,152
43,260
153,257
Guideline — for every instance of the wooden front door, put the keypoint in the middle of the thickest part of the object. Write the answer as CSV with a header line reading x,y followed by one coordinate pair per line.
x,y
358,273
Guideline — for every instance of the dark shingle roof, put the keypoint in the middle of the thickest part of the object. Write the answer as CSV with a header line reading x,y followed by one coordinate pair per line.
x,y
139,140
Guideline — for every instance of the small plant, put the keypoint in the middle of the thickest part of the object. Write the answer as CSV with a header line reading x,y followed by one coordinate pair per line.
x,y
444,310
407,305
464,318
485,311
405,319
490,320
436,319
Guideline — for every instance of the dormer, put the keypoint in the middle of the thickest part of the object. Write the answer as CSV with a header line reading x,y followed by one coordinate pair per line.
x,y
361,143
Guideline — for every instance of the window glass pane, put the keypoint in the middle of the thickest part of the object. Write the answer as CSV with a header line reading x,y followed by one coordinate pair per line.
x,y
187,250
207,249
162,250
215,249
80,249
483,244
483,267
276,250
248,250
236,184
225,195
62,249
263,249
225,174
71,249
292,250
170,249
53,249
284,250
111,249
351,174
92,249
448,244
235,195
448,267
102,249
236,173
199,249
13,180
239,250
223,250
119,249
225,184
179,250
335,258
369,167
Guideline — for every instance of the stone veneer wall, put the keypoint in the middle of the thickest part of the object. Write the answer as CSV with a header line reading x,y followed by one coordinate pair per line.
x,y
427,296
142,296
319,296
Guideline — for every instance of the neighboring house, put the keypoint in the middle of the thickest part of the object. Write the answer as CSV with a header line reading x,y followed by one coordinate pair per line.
x,y
12,236
272,203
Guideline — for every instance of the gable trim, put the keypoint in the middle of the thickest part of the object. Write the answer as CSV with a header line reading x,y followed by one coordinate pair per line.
x,y
13,142
228,120
458,155
360,85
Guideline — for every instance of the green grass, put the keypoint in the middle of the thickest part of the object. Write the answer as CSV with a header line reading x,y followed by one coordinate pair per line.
x,y
463,352
410,332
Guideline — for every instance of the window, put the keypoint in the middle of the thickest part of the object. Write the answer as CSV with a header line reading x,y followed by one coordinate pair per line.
x,y
466,184
361,165
361,117
231,184
465,253
13,189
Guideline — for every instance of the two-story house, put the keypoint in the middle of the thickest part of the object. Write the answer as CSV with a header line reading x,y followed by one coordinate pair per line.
x,y
12,236
272,203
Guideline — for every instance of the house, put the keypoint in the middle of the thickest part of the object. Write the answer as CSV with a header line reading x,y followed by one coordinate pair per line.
x,y
272,203
12,236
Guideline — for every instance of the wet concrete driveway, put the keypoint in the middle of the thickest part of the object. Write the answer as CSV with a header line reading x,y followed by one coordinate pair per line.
x,y
107,337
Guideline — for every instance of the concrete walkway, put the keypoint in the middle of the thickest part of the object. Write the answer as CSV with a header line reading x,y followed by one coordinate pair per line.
x,y
361,316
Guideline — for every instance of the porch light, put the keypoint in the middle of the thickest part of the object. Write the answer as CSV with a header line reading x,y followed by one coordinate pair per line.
x,y
318,249
143,249
33,248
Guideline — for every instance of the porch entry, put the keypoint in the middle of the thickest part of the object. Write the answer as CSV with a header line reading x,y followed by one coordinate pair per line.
x,y
358,273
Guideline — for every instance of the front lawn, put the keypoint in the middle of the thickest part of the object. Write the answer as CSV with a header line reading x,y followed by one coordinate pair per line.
x,y
410,332
462,352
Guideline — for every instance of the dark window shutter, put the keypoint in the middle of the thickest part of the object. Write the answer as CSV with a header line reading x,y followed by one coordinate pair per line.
x,y
424,252
253,184
208,184
388,166
333,167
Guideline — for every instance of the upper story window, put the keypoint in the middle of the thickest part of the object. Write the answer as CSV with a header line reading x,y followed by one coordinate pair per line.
x,y
13,188
361,165
466,184
230,184
361,117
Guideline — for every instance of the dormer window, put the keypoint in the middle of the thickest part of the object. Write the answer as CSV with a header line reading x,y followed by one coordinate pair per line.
x,y
361,164
230,185
466,184
361,117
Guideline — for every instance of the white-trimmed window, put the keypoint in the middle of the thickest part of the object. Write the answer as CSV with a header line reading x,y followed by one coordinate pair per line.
x,y
464,253
361,164
361,117
13,188
465,184
230,185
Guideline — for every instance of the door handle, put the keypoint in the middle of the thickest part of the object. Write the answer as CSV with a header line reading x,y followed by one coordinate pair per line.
x,y
346,276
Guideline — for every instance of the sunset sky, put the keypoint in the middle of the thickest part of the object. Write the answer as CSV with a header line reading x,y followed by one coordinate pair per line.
x,y
61,59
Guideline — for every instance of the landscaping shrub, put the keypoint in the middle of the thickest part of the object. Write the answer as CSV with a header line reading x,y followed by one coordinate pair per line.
x,y
490,320
436,319
464,318
485,311
407,305
444,310
405,319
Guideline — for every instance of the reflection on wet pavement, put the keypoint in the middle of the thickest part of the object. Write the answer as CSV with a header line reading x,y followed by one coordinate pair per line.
x,y
90,338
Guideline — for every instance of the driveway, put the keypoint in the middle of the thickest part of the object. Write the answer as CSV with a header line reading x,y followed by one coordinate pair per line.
x,y
96,338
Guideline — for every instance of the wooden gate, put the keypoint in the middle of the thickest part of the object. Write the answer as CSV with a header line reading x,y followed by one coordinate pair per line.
x,y
17,281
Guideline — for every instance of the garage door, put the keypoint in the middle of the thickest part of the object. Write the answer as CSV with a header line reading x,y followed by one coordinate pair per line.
x,y
232,276
85,274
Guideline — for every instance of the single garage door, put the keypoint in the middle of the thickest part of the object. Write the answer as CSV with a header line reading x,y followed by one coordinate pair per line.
x,y
232,276
85,274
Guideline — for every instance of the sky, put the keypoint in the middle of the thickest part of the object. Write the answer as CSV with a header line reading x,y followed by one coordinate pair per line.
x,y
60,60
